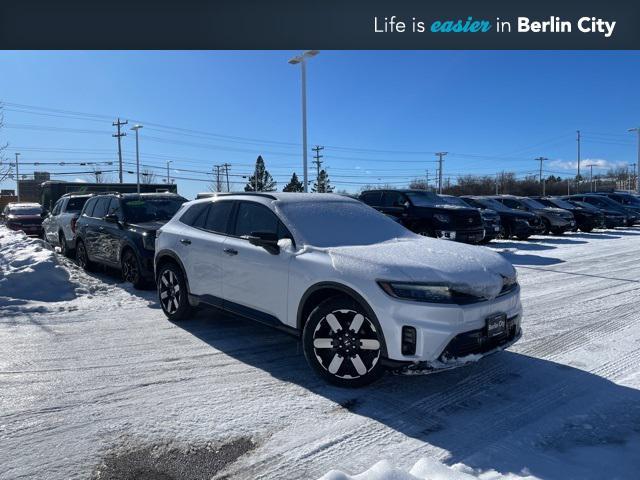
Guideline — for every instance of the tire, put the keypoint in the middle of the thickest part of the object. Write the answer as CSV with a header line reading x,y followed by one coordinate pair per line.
x,y
335,351
485,240
586,229
131,269
82,257
523,237
64,248
505,232
547,226
557,232
172,293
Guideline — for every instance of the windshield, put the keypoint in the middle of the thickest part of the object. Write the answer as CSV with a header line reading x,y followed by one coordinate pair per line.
x,y
338,223
629,200
25,211
493,204
75,204
532,203
149,209
585,205
455,201
424,199
561,203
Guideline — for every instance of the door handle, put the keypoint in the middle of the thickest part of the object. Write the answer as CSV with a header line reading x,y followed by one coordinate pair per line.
x,y
185,241
230,251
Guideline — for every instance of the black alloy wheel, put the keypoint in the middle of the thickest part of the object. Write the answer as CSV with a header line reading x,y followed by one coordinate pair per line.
x,y
131,271
82,258
172,293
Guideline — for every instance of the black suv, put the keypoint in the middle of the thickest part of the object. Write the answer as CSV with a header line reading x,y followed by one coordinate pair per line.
x,y
119,230
612,218
628,201
490,218
426,214
605,203
513,223
555,220
586,220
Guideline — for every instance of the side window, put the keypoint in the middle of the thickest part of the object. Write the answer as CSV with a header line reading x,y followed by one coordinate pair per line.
x,y
195,215
100,210
371,198
217,218
392,199
115,208
253,217
88,208
57,207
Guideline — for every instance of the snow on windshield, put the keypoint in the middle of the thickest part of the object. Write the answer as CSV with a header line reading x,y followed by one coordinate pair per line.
x,y
338,223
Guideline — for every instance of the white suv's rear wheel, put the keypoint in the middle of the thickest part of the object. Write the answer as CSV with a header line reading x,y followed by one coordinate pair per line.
x,y
172,292
342,344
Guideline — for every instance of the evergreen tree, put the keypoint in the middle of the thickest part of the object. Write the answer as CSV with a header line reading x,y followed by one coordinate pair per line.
x,y
322,184
264,182
294,185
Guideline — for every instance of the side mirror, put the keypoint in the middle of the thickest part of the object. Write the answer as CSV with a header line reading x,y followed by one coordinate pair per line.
x,y
266,240
111,218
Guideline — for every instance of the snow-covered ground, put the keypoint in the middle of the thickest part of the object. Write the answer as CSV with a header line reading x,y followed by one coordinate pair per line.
x,y
94,381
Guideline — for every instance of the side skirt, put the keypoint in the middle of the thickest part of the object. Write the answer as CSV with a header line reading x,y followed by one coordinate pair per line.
x,y
245,312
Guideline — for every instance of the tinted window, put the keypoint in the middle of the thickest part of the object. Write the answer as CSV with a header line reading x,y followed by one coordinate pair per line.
x,y
371,198
424,199
393,199
100,210
512,203
114,208
75,204
25,211
195,215
218,216
148,209
88,209
253,217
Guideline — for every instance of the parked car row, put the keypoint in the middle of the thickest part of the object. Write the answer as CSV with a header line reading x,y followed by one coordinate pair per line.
x,y
363,292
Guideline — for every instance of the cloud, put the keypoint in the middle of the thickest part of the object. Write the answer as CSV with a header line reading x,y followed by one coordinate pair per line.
x,y
80,180
596,162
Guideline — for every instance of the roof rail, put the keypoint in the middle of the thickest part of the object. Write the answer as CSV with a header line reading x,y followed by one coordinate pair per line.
x,y
248,194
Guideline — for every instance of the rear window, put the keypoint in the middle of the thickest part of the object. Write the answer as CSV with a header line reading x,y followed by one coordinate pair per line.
x,y
195,215
151,209
101,207
75,204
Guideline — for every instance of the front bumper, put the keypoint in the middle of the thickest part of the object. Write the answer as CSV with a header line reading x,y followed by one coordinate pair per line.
x,y
30,230
467,236
438,324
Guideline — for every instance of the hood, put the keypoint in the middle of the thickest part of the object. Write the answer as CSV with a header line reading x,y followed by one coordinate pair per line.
x,y
454,208
469,269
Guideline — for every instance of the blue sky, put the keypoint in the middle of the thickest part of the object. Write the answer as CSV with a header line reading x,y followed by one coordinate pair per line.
x,y
380,115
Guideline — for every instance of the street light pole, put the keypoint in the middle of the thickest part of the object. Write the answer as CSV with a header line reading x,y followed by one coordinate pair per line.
x,y
168,176
136,128
637,130
301,59
17,177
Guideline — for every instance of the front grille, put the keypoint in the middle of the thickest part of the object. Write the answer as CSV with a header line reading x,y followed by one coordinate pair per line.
x,y
467,220
477,342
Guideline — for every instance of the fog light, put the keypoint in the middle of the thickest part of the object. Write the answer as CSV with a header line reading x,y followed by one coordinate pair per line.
x,y
408,341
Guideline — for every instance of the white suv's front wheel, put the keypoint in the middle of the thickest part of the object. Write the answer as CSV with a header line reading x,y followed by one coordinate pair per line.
x,y
342,344
172,292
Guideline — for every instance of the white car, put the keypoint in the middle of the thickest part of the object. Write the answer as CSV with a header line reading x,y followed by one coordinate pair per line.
x,y
363,292
59,226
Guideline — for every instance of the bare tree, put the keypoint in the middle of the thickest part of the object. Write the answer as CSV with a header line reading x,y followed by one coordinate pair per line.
x,y
147,176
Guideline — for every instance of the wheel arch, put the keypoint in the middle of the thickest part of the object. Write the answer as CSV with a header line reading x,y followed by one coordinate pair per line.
x,y
323,290
168,256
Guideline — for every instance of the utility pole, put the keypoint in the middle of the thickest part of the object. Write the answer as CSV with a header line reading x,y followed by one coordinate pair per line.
x,y
217,174
426,187
226,172
168,175
497,193
440,156
637,130
17,177
136,128
632,179
119,135
578,176
591,177
316,159
542,159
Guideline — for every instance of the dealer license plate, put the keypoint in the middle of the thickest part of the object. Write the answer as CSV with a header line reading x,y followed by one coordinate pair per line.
x,y
496,325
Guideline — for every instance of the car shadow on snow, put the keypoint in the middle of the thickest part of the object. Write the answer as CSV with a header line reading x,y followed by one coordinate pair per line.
x,y
544,411
528,259
595,236
523,245
556,240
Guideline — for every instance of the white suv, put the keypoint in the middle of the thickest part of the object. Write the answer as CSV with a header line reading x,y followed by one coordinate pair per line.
x,y
363,292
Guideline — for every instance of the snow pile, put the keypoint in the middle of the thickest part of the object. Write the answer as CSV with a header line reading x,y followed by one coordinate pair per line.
x,y
28,271
425,469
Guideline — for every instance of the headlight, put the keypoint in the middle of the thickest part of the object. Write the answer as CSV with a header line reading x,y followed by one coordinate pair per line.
x,y
430,293
149,240
442,217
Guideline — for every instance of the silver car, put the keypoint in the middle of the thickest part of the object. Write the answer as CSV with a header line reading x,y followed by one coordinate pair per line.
x,y
60,225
